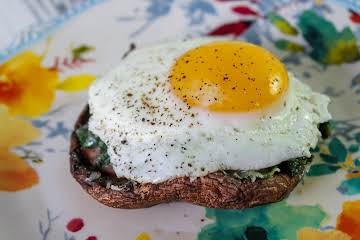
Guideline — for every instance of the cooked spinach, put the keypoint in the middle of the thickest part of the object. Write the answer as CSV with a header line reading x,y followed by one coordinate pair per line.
x,y
253,174
89,140
296,166
325,129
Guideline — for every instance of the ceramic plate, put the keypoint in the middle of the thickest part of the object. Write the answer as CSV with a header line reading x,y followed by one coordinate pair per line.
x,y
43,88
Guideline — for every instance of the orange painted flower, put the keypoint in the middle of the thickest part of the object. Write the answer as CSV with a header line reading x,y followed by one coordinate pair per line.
x,y
15,173
349,221
315,234
26,87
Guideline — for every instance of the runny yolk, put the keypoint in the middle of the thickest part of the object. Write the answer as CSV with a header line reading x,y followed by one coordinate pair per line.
x,y
228,76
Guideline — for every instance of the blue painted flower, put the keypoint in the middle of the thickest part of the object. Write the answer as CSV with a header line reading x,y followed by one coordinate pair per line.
x,y
59,130
197,9
156,9
350,186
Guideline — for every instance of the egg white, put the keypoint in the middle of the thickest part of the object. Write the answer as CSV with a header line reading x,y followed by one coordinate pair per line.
x,y
153,136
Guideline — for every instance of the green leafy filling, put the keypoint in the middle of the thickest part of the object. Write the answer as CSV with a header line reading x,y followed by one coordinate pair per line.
x,y
253,174
296,167
325,129
89,140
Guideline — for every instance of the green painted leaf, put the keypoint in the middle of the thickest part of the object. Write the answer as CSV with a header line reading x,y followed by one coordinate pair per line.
x,y
357,162
333,124
315,150
357,137
321,169
271,222
79,51
353,148
289,46
328,45
338,149
281,23
350,186
328,158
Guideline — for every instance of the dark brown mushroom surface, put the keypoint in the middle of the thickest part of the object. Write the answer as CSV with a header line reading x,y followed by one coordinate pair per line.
x,y
215,190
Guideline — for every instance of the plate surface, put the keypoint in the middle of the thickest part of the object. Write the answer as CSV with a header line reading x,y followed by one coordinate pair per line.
x,y
317,40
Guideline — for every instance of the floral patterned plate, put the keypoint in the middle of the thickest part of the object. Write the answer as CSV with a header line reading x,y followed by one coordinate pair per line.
x,y
43,88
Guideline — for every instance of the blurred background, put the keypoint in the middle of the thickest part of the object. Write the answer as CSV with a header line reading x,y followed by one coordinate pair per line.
x,y
17,15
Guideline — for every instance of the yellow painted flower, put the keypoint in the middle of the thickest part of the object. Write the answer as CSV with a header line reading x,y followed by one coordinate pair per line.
x,y
349,164
315,234
15,173
143,236
76,83
26,87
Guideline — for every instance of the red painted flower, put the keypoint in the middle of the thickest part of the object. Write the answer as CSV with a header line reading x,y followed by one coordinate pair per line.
x,y
355,17
91,238
244,10
233,28
75,225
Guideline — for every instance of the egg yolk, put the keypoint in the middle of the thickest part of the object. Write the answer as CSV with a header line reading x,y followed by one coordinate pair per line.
x,y
228,76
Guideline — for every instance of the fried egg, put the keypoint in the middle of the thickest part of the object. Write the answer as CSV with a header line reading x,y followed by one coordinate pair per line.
x,y
189,108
